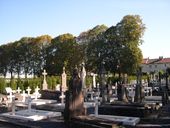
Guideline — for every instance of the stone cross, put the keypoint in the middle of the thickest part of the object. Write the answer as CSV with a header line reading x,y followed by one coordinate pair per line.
x,y
36,93
94,79
18,90
28,90
23,96
29,103
62,97
64,81
83,77
10,96
45,85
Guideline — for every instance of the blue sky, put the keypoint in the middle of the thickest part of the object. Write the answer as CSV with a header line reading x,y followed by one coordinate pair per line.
x,y
20,18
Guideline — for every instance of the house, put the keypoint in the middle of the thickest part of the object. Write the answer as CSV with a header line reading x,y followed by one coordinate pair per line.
x,y
155,65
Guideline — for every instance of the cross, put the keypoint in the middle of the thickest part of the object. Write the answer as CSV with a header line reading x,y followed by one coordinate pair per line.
x,y
10,96
36,93
37,89
23,96
44,73
18,90
62,97
28,90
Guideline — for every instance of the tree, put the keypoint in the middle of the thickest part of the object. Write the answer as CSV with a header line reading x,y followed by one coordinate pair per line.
x,y
63,50
123,42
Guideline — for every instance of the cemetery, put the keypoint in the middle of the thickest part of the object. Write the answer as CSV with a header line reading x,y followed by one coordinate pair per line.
x,y
81,106
98,79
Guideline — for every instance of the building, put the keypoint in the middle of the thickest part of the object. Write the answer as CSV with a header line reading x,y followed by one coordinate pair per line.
x,y
155,65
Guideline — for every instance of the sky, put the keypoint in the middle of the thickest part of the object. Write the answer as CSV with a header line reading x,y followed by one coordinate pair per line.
x,y
32,18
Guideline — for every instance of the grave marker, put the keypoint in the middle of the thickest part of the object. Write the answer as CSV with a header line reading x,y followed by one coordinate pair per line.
x,y
45,85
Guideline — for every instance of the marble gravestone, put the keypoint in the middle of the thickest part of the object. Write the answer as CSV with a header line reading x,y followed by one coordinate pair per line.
x,y
74,98
45,85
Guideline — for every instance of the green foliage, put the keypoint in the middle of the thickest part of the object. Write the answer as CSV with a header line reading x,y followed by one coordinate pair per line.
x,y
114,46
13,84
2,85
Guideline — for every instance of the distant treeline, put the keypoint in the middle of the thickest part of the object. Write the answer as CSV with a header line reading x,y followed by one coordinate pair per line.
x,y
116,47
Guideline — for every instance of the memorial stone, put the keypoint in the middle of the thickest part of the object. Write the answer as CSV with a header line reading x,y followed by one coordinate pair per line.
x,y
74,97
45,85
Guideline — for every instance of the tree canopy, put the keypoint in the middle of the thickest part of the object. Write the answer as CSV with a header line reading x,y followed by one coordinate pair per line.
x,y
116,46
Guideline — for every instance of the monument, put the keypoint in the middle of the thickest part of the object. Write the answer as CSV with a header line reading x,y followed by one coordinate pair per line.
x,y
45,85
74,97
83,78
64,81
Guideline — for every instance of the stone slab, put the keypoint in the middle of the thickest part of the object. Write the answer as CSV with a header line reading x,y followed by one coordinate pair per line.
x,y
132,121
34,115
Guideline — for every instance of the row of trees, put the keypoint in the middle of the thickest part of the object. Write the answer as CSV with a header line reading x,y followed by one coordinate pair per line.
x,y
116,47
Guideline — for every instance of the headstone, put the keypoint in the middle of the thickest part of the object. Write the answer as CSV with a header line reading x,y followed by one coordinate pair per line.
x,y
18,90
64,81
28,90
74,97
57,87
36,93
45,85
29,100
94,79
62,97
23,96
83,77
10,96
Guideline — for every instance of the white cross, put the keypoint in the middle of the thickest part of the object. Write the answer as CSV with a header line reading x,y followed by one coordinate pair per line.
x,y
44,73
36,93
10,96
28,90
18,90
37,89
23,96
62,97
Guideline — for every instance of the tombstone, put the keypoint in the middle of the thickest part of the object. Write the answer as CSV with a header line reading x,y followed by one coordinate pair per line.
x,y
139,90
83,78
23,96
62,97
18,90
45,85
64,81
29,100
28,90
36,93
74,98
94,79
57,88
103,82
10,94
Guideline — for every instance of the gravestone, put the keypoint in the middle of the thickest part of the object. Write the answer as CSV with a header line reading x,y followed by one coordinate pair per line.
x,y
45,85
18,90
83,78
64,81
28,90
63,85
94,79
74,98
36,93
